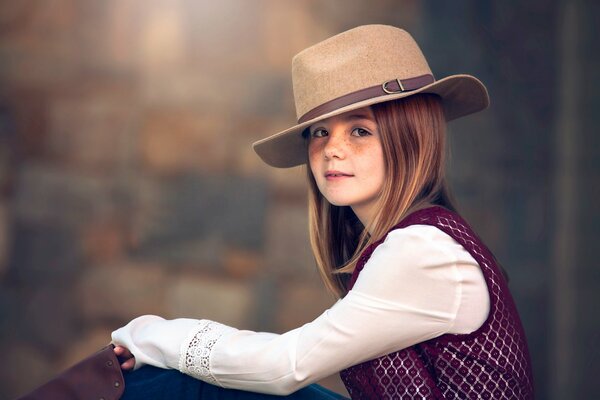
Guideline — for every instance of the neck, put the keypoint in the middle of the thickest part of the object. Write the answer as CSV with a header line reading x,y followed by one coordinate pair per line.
x,y
365,215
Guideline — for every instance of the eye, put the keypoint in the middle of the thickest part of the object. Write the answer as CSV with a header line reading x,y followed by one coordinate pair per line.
x,y
360,132
319,133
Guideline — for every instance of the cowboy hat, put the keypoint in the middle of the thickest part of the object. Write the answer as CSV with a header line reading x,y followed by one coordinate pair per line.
x,y
357,68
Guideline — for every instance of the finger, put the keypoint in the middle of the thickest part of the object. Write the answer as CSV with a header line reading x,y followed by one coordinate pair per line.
x,y
123,352
129,364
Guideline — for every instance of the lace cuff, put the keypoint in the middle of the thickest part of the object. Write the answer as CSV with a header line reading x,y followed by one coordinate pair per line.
x,y
194,356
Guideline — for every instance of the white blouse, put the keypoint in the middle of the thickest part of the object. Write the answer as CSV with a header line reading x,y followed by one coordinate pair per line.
x,y
417,285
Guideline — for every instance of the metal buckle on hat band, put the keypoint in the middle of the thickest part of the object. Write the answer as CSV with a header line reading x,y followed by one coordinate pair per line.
x,y
388,91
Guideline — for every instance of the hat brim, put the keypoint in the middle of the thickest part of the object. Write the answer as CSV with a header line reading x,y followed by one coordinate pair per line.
x,y
461,95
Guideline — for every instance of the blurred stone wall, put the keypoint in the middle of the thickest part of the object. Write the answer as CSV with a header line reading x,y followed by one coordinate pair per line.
x,y
128,185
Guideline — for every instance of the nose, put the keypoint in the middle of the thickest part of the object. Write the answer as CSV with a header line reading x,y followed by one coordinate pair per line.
x,y
335,146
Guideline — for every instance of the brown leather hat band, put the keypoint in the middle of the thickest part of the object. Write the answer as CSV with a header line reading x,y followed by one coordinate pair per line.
x,y
390,87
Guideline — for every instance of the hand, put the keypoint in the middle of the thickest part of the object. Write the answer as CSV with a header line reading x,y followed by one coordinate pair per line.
x,y
125,357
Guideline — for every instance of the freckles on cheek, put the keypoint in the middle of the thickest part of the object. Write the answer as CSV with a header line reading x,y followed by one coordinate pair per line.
x,y
315,148
313,158
373,157
366,156
312,150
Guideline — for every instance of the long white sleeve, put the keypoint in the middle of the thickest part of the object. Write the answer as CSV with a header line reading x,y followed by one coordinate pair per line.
x,y
417,285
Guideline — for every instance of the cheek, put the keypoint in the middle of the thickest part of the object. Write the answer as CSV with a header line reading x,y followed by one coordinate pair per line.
x,y
313,156
375,165
380,167
371,154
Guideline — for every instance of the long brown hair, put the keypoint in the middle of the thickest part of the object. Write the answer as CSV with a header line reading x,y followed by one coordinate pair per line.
x,y
413,138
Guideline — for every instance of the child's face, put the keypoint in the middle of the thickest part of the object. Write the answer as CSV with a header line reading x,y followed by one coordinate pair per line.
x,y
346,159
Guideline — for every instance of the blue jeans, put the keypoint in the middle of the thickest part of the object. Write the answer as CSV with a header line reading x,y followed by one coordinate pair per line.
x,y
150,383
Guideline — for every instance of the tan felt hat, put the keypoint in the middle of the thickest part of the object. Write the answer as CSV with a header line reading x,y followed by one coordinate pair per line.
x,y
363,66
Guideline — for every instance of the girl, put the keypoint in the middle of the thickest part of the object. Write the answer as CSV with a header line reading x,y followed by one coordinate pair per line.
x,y
424,310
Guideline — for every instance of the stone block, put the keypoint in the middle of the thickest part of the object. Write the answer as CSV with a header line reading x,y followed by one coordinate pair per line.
x,y
287,248
286,29
83,346
109,38
192,219
93,126
226,301
37,44
267,94
339,15
48,194
162,36
184,86
24,127
43,253
23,369
5,237
301,302
105,240
241,264
45,315
224,36
246,130
178,141
290,185
13,136
266,296
9,310
121,292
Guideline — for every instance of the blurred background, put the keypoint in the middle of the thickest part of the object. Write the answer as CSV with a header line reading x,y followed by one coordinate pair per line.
x,y
128,185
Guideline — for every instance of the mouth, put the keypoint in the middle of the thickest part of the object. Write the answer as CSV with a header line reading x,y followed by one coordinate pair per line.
x,y
336,175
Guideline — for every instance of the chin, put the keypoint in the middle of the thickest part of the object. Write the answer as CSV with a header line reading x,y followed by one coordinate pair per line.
x,y
338,202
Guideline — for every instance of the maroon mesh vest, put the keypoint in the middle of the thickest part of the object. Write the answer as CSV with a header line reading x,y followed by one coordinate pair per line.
x,y
490,363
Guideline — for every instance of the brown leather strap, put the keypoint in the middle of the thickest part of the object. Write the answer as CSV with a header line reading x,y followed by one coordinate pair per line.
x,y
389,87
96,377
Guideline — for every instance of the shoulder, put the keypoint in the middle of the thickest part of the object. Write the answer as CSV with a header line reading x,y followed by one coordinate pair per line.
x,y
424,241
423,232
417,254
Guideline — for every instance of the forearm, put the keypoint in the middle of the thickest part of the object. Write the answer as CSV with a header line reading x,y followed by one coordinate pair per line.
x,y
154,340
